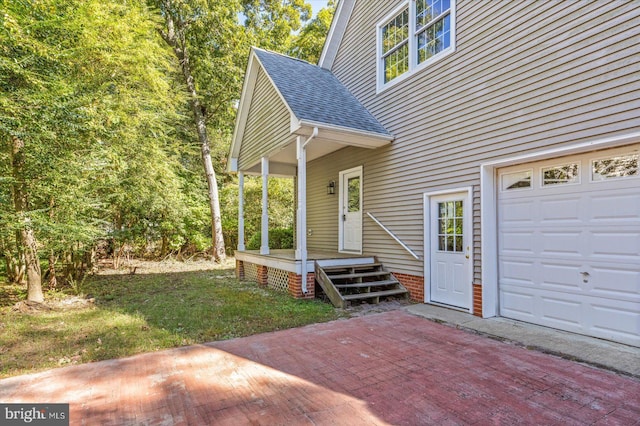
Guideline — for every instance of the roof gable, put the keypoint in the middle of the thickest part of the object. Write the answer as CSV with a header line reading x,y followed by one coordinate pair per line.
x,y
315,95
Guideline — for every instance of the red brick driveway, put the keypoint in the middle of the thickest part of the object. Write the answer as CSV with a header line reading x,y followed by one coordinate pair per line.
x,y
389,368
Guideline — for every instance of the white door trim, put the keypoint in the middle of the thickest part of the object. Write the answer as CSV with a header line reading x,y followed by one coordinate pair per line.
x,y
341,206
468,225
489,205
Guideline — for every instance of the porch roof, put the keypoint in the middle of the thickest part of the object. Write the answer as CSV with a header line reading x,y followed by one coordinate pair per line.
x,y
314,98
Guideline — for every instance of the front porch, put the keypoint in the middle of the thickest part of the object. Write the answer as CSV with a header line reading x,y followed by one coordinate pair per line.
x,y
280,270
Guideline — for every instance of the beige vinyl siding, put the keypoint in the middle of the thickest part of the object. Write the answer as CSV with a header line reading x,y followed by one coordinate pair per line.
x,y
268,123
525,76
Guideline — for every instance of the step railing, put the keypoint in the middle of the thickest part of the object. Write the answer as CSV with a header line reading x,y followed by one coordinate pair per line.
x,y
404,246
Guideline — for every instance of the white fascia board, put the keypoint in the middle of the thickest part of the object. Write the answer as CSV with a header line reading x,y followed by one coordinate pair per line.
x,y
248,86
232,165
336,32
276,169
305,127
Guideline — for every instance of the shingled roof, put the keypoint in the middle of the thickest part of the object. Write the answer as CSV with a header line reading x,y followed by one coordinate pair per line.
x,y
314,94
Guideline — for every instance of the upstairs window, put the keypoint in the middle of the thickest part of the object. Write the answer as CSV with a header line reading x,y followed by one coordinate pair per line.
x,y
395,46
415,34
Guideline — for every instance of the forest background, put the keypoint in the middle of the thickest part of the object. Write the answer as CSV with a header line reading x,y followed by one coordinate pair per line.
x,y
108,114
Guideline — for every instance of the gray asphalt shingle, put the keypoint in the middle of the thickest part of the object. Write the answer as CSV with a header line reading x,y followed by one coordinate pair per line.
x,y
315,94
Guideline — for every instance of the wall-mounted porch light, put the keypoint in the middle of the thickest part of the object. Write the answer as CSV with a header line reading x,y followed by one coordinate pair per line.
x,y
331,188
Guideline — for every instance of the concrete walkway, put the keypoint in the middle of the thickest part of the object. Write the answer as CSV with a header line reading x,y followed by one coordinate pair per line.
x,y
612,356
388,368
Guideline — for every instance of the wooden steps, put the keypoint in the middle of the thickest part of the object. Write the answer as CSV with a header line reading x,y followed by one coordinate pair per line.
x,y
357,280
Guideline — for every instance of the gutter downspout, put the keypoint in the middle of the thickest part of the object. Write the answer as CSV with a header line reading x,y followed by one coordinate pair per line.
x,y
302,205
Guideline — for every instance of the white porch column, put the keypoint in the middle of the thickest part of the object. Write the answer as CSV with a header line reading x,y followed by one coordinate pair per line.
x,y
301,210
241,246
301,245
301,229
264,246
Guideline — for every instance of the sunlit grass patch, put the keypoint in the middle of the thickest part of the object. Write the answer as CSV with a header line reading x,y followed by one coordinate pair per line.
x,y
139,313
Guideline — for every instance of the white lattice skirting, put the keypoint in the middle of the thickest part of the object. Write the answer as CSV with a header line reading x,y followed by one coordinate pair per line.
x,y
278,279
251,272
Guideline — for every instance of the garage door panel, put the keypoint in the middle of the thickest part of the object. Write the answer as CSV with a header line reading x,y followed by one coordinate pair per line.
x,y
561,210
618,322
561,243
517,212
623,244
517,242
613,208
603,318
518,272
561,277
615,283
517,304
569,254
560,311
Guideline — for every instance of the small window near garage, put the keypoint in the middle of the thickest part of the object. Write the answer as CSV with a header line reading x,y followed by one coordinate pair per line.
x,y
614,167
516,180
559,175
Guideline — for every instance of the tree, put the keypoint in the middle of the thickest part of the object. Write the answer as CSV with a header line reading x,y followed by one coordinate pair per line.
x,y
309,42
205,38
272,23
79,84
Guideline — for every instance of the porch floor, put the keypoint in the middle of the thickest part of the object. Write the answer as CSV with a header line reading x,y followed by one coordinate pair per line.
x,y
286,259
312,255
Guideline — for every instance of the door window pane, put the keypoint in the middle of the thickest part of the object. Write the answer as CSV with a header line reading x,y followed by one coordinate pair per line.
x,y
450,226
353,186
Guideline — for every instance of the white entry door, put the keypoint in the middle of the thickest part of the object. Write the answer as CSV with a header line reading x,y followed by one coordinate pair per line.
x,y
351,210
450,248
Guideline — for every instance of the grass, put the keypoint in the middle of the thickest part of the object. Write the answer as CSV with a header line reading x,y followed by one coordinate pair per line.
x,y
142,313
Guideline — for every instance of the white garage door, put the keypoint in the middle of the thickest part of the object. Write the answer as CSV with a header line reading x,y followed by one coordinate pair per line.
x,y
569,243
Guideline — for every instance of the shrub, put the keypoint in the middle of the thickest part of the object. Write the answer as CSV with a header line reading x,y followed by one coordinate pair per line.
x,y
279,238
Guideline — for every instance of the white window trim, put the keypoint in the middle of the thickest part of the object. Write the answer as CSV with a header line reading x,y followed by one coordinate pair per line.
x,y
414,67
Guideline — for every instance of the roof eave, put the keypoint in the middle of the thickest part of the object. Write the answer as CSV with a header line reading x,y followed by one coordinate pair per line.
x,y
343,135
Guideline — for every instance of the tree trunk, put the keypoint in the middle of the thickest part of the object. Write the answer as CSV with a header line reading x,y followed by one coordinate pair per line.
x,y
165,246
53,280
14,267
180,49
34,273
26,240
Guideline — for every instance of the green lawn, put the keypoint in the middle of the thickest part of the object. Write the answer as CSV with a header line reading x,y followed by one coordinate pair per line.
x,y
141,313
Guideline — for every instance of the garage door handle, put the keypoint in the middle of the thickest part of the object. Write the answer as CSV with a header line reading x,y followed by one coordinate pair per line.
x,y
585,276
